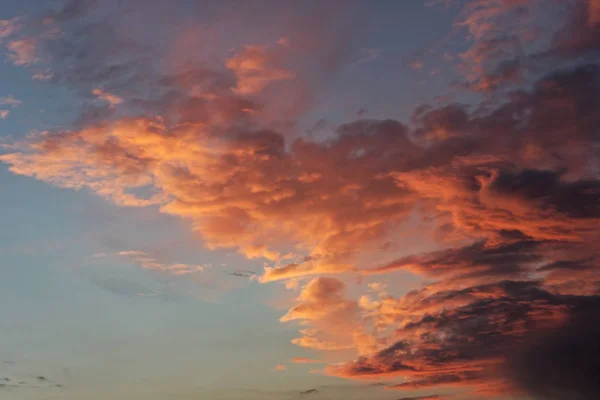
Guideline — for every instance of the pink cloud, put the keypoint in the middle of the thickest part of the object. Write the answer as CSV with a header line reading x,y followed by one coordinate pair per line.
x,y
254,69
23,52
110,98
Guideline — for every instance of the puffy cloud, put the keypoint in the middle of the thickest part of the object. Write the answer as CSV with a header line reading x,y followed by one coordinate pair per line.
x,y
510,42
535,233
246,188
4,114
243,191
334,321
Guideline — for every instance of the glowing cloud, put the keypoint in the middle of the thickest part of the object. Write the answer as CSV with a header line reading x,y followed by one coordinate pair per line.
x,y
507,191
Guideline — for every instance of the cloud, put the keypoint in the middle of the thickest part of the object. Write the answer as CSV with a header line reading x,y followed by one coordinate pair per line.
x,y
43,76
23,52
9,27
10,101
280,367
110,98
462,342
507,191
556,364
4,114
476,261
24,380
333,320
578,37
146,261
254,183
254,71
303,360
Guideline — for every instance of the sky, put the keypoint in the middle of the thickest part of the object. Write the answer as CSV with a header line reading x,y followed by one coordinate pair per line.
x,y
225,200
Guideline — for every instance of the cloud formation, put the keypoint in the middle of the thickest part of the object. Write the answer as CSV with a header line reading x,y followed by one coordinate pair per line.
x,y
507,188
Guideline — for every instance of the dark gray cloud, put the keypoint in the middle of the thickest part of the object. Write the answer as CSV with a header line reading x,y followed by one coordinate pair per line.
x,y
562,363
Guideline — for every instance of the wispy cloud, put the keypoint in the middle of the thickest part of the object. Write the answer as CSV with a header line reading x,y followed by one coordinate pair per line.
x,y
254,69
10,101
303,360
110,98
146,261
370,55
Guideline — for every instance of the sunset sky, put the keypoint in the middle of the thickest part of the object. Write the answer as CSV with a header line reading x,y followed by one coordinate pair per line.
x,y
254,200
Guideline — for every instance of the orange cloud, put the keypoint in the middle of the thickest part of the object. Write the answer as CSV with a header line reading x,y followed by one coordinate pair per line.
x,y
303,360
110,98
244,191
334,321
254,70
